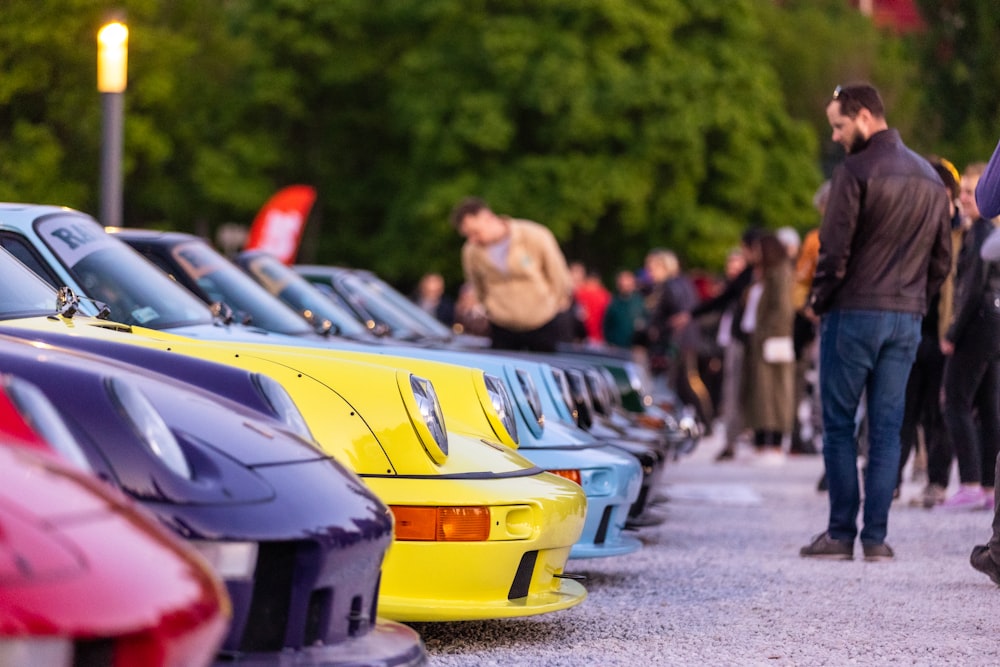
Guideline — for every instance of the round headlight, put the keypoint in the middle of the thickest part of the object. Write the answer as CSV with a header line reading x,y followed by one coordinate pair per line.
x,y
527,385
502,404
149,425
581,397
37,410
429,420
564,390
598,391
282,404
614,393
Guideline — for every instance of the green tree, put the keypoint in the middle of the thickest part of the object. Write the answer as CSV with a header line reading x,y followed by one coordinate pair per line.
x,y
185,156
960,78
814,45
620,125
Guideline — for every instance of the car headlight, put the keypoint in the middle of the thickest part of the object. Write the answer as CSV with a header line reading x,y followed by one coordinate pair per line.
x,y
525,394
581,398
614,392
230,560
149,425
637,378
567,396
598,391
37,410
53,651
425,413
284,407
500,412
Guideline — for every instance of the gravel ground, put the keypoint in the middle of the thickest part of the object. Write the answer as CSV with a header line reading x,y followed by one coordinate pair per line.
x,y
720,582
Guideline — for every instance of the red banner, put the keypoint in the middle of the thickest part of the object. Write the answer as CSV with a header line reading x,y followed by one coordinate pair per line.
x,y
279,224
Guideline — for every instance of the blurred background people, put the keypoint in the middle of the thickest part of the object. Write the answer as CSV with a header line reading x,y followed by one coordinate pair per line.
x,y
972,370
470,315
591,299
430,296
626,312
728,303
807,429
672,335
769,359
923,437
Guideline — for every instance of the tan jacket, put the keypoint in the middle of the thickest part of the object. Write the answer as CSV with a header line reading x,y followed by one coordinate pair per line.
x,y
536,285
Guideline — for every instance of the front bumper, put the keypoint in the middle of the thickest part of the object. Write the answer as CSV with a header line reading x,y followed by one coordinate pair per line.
x,y
516,572
619,483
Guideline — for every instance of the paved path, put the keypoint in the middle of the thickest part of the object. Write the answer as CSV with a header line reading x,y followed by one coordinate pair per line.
x,y
721,583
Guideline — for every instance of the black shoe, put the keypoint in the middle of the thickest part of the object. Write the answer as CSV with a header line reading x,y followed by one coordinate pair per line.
x,y
982,561
876,552
726,454
824,546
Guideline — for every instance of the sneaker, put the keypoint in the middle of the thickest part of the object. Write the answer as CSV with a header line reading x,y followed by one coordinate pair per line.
x,y
932,495
982,561
989,500
965,499
876,552
824,546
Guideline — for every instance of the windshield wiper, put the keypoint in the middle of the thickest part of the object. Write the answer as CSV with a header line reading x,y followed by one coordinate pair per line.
x,y
68,304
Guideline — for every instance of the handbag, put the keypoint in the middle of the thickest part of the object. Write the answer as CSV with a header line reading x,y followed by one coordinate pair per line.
x,y
778,349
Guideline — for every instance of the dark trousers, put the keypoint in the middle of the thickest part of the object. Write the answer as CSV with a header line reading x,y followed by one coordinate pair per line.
x,y
923,410
972,397
543,339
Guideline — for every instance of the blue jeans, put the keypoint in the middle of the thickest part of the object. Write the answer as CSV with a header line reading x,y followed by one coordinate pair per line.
x,y
866,352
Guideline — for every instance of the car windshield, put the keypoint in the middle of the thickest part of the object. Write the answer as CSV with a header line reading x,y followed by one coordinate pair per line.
x,y
370,297
109,271
24,294
298,293
394,304
223,281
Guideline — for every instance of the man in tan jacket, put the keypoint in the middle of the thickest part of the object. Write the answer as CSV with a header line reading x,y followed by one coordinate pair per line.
x,y
519,273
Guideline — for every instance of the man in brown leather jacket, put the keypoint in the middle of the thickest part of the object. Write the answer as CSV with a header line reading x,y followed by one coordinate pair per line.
x,y
884,250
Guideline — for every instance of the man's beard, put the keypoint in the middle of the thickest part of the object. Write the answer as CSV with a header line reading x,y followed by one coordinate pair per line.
x,y
857,144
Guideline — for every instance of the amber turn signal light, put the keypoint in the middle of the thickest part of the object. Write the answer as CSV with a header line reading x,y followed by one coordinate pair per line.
x,y
442,524
571,475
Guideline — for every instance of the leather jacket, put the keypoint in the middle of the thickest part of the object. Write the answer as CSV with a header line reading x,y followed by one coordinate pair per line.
x,y
885,239
977,285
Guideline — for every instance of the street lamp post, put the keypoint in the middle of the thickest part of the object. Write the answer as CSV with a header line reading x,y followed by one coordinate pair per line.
x,y
112,76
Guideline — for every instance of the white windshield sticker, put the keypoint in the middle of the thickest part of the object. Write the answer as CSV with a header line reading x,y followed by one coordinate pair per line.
x,y
72,239
143,315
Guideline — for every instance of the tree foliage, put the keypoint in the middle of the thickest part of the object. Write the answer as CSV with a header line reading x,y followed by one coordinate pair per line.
x,y
621,125
961,78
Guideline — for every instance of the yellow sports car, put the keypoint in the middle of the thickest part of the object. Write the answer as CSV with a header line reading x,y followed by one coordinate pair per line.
x,y
480,531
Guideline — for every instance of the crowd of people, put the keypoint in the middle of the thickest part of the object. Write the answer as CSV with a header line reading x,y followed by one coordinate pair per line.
x,y
873,338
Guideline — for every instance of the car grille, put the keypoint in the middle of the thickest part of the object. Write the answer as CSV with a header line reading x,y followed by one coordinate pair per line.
x,y
301,599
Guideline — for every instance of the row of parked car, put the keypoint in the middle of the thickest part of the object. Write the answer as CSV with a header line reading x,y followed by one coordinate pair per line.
x,y
322,460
